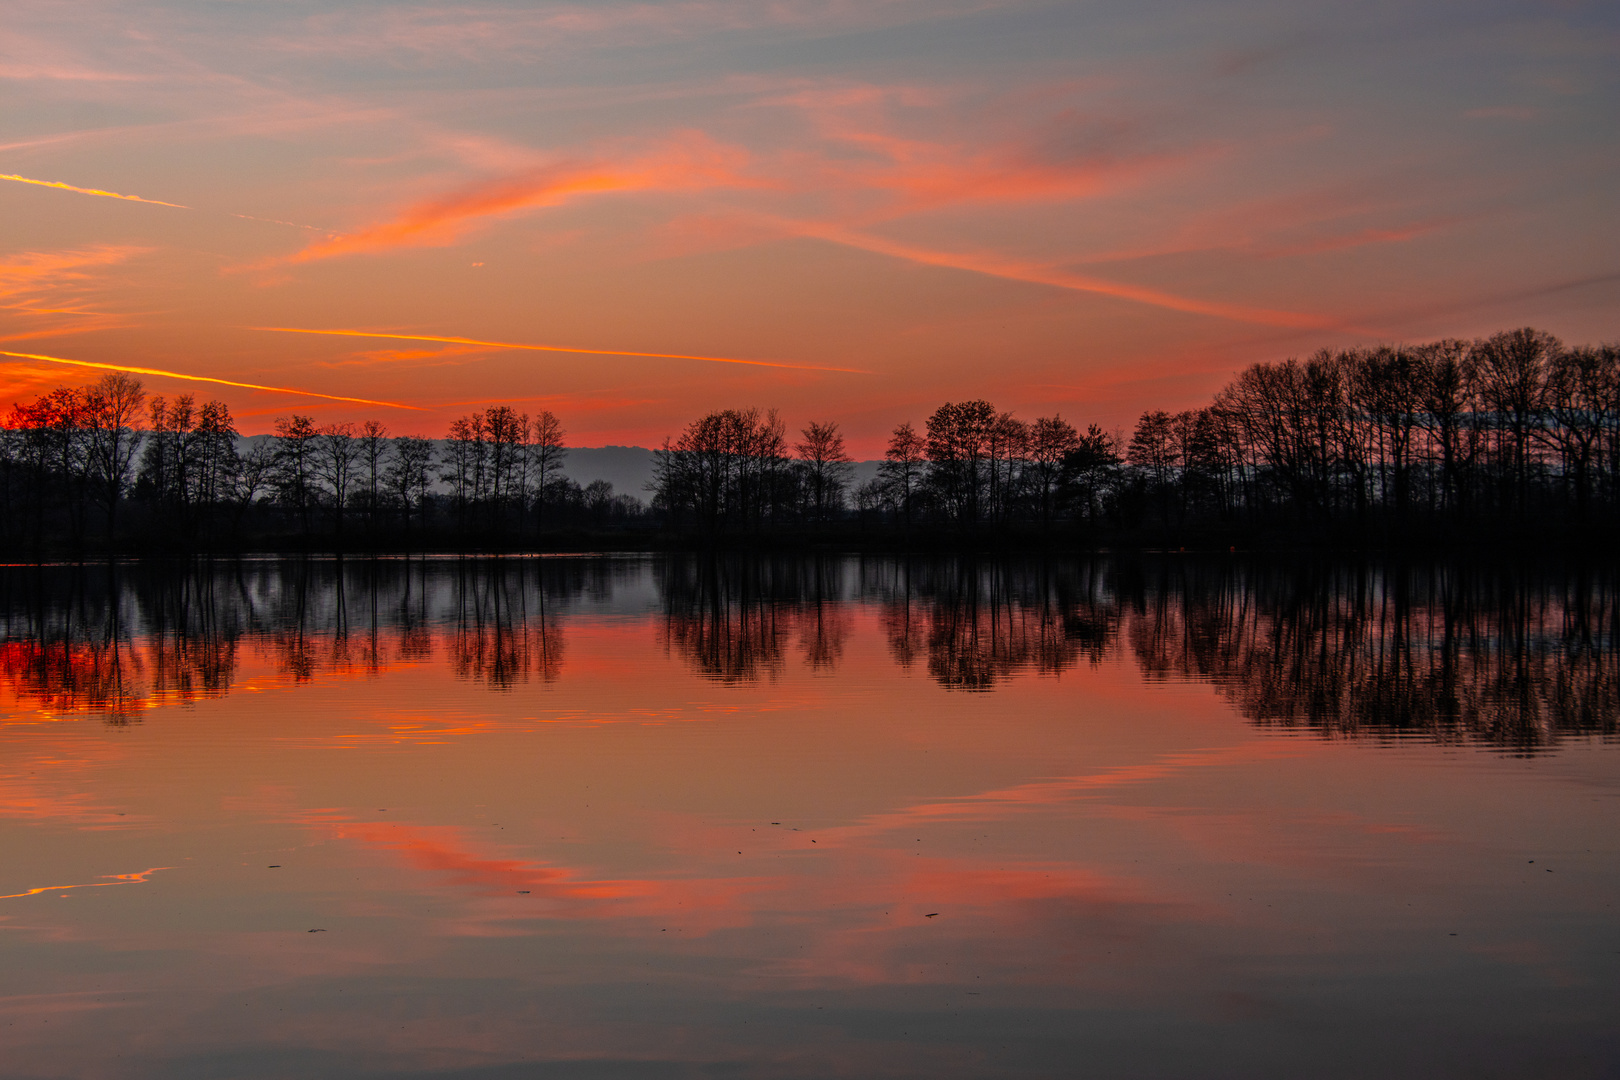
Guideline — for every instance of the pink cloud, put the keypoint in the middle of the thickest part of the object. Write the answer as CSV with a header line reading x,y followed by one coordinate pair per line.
x,y
685,162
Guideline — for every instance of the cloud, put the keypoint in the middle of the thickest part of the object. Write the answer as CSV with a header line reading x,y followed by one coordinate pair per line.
x,y
48,290
1065,153
1037,274
686,161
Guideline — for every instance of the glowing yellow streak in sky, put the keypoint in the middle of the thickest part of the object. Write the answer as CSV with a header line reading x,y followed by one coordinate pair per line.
x,y
90,191
560,348
205,378
118,879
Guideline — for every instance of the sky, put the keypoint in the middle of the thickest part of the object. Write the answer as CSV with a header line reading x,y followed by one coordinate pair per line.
x,y
631,213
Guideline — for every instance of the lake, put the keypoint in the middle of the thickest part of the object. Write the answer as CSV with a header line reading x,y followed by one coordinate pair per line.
x,y
684,816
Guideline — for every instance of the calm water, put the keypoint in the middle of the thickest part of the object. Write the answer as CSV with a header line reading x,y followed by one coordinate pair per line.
x,y
649,818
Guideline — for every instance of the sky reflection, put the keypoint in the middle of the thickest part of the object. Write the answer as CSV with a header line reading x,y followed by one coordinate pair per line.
x,y
667,843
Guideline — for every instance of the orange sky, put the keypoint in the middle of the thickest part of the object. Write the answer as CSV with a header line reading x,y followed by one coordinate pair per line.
x,y
877,207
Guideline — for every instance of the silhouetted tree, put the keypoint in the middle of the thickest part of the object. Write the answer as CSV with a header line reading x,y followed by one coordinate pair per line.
x,y
296,464
827,469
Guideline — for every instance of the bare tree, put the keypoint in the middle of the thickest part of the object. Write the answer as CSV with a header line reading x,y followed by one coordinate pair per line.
x,y
827,468
546,455
903,468
255,475
1511,370
1051,440
374,445
409,473
959,435
295,464
508,434
337,453
112,411
465,455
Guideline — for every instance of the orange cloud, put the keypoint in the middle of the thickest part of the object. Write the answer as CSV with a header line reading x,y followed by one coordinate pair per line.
x,y
560,348
690,160
204,378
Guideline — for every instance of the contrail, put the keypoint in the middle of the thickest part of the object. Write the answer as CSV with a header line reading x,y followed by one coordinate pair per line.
x,y
559,348
91,191
206,379
60,186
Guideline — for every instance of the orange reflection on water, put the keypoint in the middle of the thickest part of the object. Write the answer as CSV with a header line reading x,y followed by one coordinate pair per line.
x,y
519,814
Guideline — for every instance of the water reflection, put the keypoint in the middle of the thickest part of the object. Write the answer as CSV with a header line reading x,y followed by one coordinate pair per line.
x,y
980,623
735,619
117,641
1514,657
1511,657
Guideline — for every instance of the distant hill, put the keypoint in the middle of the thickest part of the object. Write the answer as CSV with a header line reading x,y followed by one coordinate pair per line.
x,y
627,468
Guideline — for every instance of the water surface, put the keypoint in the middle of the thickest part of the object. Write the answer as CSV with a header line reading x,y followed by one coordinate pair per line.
x,y
801,818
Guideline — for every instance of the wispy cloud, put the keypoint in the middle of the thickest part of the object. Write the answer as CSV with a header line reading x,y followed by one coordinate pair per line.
x,y
1036,274
686,161
159,372
51,293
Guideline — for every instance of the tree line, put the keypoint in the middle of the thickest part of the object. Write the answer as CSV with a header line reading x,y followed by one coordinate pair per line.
x,y
1515,431
77,462
1510,430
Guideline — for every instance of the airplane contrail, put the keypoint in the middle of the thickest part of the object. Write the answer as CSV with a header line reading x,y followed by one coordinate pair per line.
x,y
90,191
559,348
204,378
60,186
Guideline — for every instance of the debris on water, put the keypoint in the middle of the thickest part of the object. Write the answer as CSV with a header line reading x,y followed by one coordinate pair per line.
x,y
277,866
930,915
523,892
317,931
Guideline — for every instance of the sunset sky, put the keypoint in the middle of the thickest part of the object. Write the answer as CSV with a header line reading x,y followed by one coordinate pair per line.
x,y
849,210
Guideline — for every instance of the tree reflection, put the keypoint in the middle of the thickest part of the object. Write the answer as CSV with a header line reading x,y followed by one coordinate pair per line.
x,y
1510,657
505,633
1513,657
117,641
980,622
732,618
